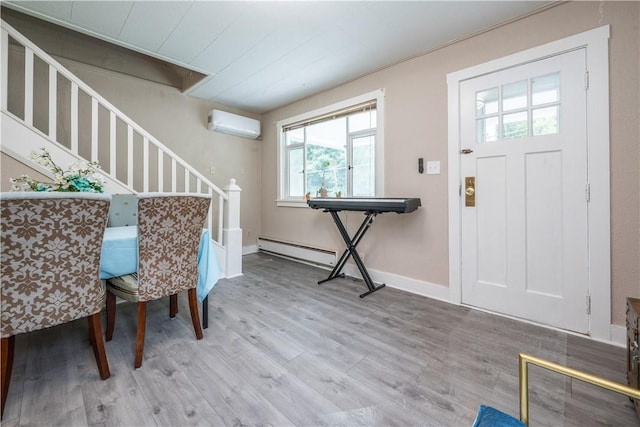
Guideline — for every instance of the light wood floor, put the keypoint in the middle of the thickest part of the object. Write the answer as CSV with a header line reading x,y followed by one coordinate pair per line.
x,y
281,350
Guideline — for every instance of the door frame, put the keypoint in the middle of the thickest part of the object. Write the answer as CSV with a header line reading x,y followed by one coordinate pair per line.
x,y
596,43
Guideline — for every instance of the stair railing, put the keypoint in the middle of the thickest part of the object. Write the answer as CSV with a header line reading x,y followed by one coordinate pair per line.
x,y
181,176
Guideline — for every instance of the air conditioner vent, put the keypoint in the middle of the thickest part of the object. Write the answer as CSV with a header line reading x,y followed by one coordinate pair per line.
x,y
233,124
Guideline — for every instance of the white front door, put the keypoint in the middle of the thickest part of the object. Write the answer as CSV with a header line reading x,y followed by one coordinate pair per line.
x,y
524,242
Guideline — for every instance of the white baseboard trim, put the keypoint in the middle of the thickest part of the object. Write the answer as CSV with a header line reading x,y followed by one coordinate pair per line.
x,y
251,249
408,284
618,336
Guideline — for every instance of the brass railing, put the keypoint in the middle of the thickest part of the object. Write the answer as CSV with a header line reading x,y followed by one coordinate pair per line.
x,y
524,361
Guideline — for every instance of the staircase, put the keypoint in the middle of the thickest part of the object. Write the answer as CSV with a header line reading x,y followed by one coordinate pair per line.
x,y
42,106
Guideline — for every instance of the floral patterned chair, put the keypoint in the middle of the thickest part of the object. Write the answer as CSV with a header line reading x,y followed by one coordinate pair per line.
x,y
169,228
50,260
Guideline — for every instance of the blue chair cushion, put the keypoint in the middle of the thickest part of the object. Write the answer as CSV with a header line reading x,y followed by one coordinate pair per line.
x,y
491,417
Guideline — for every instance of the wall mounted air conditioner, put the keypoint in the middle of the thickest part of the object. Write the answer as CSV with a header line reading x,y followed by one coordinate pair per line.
x,y
233,124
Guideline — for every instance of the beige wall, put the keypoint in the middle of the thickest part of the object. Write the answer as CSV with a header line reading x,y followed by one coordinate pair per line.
x,y
10,167
416,245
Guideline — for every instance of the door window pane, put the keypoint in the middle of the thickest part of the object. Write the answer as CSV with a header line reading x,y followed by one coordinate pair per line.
x,y
487,102
487,129
545,89
296,172
545,120
510,112
514,96
514,125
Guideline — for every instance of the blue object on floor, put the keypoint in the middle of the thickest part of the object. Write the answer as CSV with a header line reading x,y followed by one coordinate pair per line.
x,y
491,417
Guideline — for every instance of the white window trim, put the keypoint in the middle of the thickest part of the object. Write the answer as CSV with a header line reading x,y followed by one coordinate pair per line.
x,y
596,42
378,95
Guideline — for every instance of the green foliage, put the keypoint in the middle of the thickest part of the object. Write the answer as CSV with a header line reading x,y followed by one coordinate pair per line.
x,y
326,168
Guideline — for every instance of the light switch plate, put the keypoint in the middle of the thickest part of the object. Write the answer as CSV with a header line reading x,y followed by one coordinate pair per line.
x,y
433,167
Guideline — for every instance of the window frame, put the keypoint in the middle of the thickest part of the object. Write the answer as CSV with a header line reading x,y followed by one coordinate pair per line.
x,y
282,171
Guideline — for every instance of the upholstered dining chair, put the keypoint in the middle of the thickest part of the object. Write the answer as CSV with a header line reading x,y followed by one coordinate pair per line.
x,y
169,228
50,261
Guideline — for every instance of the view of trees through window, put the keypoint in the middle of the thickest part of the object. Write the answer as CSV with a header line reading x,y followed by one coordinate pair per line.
x,y
332,158
326,169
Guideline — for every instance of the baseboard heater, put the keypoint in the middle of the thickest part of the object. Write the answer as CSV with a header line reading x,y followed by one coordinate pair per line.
x,y
298,252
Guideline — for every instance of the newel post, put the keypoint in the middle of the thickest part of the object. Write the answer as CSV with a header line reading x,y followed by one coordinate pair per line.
x,y
231,231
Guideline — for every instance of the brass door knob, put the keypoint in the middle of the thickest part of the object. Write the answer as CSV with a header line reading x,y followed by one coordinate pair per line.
x,y
470,191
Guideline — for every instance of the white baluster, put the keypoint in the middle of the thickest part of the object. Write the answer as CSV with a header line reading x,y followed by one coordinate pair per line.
x,y
94,130
145,164
220,218
210,213
4,67
129,156
174,184
160,170
74,118
112,143
53,103
232,232
28,86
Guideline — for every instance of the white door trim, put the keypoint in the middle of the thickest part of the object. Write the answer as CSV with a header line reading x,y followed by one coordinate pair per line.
x,y
596,42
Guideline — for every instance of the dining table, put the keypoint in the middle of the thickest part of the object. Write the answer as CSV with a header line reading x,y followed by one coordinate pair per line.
x,y
119,257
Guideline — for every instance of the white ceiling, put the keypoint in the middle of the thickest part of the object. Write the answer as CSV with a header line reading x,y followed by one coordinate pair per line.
x,y
261,55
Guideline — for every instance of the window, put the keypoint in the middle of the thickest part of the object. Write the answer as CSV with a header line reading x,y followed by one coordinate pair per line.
x,y
335,151
525,108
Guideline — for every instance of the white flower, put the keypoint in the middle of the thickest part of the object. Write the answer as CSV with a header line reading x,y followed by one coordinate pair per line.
x,y
64,180
97,177
75,168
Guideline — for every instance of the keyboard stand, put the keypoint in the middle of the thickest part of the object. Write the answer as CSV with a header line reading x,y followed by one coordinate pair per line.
x,y
351,251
